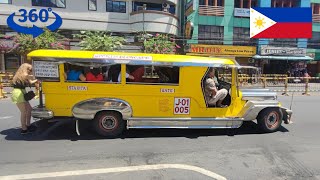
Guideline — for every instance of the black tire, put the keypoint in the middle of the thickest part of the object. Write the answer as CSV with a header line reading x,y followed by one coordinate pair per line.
x,y
108,124
270,119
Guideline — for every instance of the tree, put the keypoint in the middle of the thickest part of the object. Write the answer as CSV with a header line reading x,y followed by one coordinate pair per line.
x,y
99,41
23,44
160,44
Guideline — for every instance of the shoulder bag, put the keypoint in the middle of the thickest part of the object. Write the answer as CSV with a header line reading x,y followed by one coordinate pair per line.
x,y
29,95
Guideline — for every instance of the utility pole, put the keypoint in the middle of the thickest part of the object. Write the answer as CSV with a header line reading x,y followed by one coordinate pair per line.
x,y
144,32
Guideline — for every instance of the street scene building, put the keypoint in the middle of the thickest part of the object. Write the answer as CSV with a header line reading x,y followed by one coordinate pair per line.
x,y
123,18
222,27
207,27
159,89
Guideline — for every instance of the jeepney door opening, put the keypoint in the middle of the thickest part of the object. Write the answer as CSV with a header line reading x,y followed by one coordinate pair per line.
x,y
223,79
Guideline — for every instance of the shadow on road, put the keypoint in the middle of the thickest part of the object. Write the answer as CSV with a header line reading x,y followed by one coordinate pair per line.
x,y
66,130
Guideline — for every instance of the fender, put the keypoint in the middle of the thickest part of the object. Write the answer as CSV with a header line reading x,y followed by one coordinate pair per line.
x,y
89,108
251,109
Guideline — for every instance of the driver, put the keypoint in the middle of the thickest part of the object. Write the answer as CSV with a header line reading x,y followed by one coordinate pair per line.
x,y
213,95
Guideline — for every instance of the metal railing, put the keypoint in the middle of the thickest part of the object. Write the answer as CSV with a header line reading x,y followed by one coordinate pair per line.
x,y
5,81
211,10
283,84
316,18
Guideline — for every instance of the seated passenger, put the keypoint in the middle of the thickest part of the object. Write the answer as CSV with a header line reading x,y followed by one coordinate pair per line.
x,y
94,75
75,74
105,71
113,73
213,95
128,76
137,72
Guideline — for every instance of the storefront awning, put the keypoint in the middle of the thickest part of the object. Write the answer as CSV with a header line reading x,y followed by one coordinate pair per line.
x,y
287,58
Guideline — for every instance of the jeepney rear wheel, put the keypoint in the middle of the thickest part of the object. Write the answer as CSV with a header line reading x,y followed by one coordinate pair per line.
x,y
108,124
270,119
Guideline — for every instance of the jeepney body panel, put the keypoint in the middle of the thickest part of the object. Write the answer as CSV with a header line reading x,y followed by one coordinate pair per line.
x,y
155,102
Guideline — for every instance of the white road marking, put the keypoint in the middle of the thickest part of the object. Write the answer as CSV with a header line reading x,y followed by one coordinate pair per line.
x,y
5,117
115,170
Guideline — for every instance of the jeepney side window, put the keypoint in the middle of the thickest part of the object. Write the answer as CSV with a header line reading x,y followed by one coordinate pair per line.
x,y
74,72
168,75
92,73
46,71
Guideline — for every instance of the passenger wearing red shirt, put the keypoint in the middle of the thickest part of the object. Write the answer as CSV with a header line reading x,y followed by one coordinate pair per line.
x,y
137,72
94,75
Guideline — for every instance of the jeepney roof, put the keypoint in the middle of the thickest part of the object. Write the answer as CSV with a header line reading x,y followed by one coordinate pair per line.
x,y
129,58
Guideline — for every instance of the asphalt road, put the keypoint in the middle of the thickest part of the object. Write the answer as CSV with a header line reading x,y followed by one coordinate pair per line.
x,y
245,153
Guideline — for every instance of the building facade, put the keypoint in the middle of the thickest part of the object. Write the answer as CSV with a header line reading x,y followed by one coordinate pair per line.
x,y
126,18
222,27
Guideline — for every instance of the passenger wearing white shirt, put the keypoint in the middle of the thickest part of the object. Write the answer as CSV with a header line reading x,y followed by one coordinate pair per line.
x,y
127,76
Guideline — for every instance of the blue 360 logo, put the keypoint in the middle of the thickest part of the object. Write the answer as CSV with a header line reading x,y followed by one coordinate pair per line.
x,y
34,16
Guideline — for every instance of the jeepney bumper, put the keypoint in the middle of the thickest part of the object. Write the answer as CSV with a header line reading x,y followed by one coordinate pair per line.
x,y
41,113
287,114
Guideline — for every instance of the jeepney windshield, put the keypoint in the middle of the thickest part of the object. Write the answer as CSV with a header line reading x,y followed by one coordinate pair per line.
x,y
225,74
248,75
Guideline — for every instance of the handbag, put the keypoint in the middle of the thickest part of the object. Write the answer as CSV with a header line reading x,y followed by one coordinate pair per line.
x,y
29,95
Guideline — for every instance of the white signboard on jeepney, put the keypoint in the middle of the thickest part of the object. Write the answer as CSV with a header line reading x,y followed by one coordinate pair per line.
x,y
46,69
167,90
77,88
122,57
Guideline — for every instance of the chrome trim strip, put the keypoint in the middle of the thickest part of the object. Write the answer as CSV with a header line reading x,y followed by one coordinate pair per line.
x,y
89,108
183,119
257,94
260,95
183,124
254,90
181,127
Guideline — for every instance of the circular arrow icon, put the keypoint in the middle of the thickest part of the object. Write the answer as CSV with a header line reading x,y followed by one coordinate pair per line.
x,y
34,30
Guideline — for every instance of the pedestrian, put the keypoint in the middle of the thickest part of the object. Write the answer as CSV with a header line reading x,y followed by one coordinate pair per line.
x,y
23,78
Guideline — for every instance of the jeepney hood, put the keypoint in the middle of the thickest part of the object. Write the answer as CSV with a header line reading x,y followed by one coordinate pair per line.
x,y
258,94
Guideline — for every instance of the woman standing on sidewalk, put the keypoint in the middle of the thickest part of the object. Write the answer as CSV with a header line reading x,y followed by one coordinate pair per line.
x,y
22,79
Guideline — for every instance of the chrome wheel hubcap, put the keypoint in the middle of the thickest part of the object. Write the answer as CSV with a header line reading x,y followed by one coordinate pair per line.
x,y
108,122
272,119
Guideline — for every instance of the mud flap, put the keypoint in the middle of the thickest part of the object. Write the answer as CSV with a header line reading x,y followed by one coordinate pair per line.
x,y
287,115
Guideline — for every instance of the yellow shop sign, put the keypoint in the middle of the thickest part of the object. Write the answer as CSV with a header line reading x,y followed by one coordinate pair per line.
x,y
220,50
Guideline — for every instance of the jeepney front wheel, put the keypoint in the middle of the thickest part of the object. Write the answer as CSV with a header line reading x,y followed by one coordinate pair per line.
x,y
109,124
270,119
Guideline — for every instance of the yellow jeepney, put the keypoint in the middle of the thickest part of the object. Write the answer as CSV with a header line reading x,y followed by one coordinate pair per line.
x,y
176,100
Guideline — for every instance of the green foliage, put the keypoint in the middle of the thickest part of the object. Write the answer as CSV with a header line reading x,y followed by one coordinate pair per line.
x,y
160,44
48,40
99,41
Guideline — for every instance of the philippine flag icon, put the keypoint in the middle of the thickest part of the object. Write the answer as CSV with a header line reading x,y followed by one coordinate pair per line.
x,y
280,23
